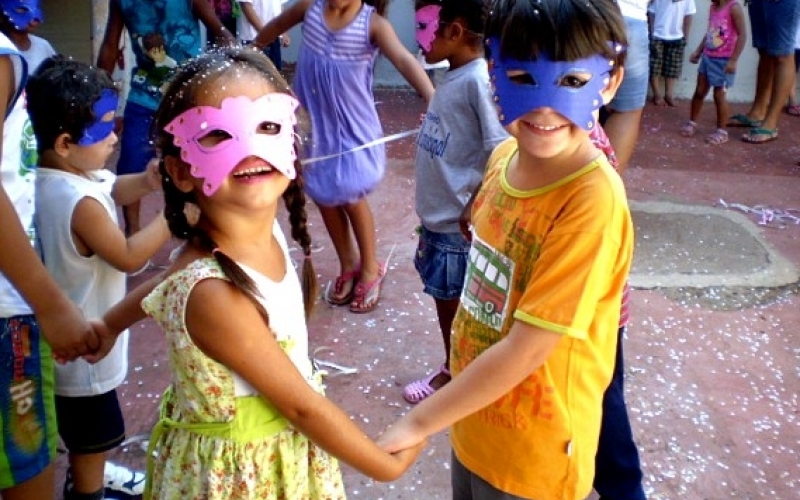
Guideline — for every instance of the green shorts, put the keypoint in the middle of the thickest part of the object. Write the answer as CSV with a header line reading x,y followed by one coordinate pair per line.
x,y
28,430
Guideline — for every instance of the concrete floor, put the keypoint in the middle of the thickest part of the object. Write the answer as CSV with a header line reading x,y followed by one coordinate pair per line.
x,y
713,370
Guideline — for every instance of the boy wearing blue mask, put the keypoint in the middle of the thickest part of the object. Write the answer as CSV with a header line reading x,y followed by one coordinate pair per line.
x,y
534,337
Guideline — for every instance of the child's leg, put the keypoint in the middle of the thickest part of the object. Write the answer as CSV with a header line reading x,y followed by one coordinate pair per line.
x,y
656,65
337,224
669,91
87,473
700,93
674,52
90,426
441,260
363,224
39,486
723,110
655,91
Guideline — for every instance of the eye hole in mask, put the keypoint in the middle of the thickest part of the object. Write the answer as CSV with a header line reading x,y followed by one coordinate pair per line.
x,y
216,139
574,80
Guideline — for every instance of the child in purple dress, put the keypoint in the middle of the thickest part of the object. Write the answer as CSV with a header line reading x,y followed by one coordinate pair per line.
x,y
341,41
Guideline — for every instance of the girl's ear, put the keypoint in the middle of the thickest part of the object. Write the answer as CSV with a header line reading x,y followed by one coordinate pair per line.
x,y
614,82
62,144
178,171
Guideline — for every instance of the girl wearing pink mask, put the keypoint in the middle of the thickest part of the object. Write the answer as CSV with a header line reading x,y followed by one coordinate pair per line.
x,y
245,416
341,41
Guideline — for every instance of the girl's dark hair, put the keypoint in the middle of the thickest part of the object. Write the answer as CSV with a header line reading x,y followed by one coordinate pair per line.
x,y
564,29
381,6
61,95
193,77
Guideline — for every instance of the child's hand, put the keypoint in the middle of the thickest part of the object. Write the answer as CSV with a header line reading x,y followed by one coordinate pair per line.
x,y
153,175
730,68
694,58
408,456
399,437
106,341
465,223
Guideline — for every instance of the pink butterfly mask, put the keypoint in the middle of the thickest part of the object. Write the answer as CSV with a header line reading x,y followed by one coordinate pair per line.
x,y
263,127
427,19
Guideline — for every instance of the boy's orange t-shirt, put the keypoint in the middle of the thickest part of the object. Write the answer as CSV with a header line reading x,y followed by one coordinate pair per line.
x,y
556,258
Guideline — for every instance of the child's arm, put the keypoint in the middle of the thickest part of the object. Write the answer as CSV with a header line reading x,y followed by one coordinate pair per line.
x,y
383,35
130,188
282,23
687,25
121,316
694,58
251,15
491,375
205,13
737,13
249,348
60,321
109,50
96,233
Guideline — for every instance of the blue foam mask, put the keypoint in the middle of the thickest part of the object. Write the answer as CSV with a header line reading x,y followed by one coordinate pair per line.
x,y
100,129
549,86
22,12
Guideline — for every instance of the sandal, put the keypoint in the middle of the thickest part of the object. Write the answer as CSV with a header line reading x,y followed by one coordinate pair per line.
x,y
760,135
793,109
740,120
689,128
346,281
420,389
717,137
367,295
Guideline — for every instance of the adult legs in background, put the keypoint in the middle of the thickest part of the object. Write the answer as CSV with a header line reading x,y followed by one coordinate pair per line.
x,y
618,471
625,110
773,26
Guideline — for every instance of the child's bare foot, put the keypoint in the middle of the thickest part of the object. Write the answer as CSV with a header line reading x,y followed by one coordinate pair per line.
x,y
657,100
670,102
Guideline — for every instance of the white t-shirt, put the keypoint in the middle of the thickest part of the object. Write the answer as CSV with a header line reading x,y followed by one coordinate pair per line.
x,y
90,282
17,174
266,10
668,17
39,50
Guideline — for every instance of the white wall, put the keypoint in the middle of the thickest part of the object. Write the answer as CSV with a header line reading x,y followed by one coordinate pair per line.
x,y
401,15
79,29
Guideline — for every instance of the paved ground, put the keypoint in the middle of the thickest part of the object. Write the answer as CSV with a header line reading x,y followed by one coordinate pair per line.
x,y
713,358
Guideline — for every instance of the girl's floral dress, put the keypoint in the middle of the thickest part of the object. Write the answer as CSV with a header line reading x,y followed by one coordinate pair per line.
x,y
217,439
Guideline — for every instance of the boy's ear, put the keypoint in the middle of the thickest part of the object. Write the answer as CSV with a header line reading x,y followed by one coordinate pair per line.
x,y
457,29
62,144
614,82
178,172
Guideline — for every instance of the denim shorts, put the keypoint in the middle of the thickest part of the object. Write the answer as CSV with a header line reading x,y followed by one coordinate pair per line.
x,y
774,25
136,145
441,261
714,70
27,409
90,424
632,93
